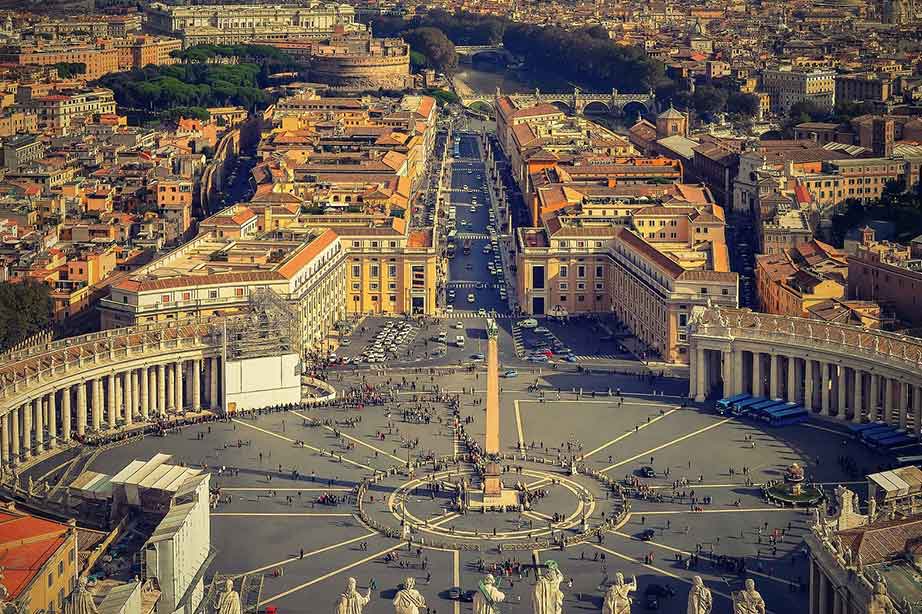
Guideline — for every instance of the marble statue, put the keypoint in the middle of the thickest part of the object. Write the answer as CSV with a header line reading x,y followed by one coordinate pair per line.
x,y
229,599
547,597
748,600
488,596
351,601
618,598
872,510
699,598
880,600
409,600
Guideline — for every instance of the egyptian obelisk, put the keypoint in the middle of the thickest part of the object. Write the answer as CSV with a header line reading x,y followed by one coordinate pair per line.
x,y
492,484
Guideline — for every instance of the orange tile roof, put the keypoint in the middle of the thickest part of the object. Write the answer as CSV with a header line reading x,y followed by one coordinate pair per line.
x,y
307,253
26,544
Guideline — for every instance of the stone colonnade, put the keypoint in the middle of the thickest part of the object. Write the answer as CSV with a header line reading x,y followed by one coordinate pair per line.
x,y
842,372
101,403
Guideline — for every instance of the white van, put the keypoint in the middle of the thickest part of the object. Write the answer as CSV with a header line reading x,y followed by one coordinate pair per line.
x,y
459,341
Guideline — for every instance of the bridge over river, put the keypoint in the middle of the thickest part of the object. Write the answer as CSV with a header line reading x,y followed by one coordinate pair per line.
x,y
577,101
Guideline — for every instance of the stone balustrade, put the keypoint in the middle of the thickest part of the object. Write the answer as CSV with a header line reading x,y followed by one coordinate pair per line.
x,y
836,370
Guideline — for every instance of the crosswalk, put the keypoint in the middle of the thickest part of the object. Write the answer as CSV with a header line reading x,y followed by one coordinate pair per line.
x,y
517,340
474,236
469,284
596,357
461,314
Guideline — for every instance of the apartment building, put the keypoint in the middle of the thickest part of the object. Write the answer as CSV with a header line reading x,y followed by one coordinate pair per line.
x,y
57,112
863,87
649,269
787,87
213,275
792,281
38,559
99,57
888,273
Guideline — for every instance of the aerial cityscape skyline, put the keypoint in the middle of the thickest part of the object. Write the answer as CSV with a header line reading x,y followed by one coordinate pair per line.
x,y
489,306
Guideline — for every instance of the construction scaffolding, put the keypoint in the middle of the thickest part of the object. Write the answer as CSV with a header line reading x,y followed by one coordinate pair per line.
x,y
269,328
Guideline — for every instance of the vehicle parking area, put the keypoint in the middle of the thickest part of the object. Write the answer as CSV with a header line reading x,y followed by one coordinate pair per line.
x,y
378,342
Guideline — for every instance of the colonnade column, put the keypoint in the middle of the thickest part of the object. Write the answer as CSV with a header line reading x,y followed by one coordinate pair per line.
x,y
4,440
808,384
874,397
757,374
726,359
52,441
859,396
196,385
177,388
737,372
213,400
26,431
14,435
888,399
917,411
773,376
904,404
65,414
81,409
38,424
841,401
824,390
792,379
144,382
130,394
700,370
161,390
97,403
110,399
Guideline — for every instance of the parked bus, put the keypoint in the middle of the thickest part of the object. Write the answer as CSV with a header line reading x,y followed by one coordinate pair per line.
x,y
740,407
724,405
467,247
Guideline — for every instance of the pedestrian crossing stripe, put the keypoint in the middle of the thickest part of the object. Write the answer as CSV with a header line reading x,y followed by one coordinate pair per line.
x,y
473,236
596,357
474,314
469,284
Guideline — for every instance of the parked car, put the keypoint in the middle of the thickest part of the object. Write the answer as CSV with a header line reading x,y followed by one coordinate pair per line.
x,y
510,373
647,535
648,472
528,323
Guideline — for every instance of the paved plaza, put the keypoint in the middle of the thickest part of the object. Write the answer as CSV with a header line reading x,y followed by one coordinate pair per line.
x,y
288,479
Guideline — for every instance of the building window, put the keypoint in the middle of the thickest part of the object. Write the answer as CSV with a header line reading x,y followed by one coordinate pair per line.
x,y
375,270
187,296
725,292
356,286
598,286
704,290
374,285
599,271
165,298
564,244
60,568
212,294
356,270
580,298
537,277
563,298
598,244
683,319
564,270
581,271
238,292
392,270
418,275
356,244
564,285
393,298
580,286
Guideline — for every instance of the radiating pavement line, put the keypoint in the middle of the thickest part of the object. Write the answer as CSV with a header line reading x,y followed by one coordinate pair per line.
x,y
328,575
351,438
456,576
310,554
667,444
628,434
701,555
443,519
308,446
284,514
264,489
729,511
518,425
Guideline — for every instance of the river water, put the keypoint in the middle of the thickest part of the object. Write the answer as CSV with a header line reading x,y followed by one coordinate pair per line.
x,y
484,78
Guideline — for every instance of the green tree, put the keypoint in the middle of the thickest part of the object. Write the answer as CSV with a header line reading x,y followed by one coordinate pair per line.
x,y
743,104
25,310
435,46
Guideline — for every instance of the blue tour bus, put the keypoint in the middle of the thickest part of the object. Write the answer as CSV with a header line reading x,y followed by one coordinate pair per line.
x,y
758,409
895,440
875,433
791,415
769,412
724,405
742,407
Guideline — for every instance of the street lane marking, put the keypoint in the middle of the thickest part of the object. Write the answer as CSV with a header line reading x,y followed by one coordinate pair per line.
x,y
308,446
456,576
443,519
310,554
518,425
295,514
326,576
351,438
734,510
628,434
753,485
667,444
245,489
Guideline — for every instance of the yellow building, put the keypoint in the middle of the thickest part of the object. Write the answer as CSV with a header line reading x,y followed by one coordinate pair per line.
x,y
648,269
38,560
